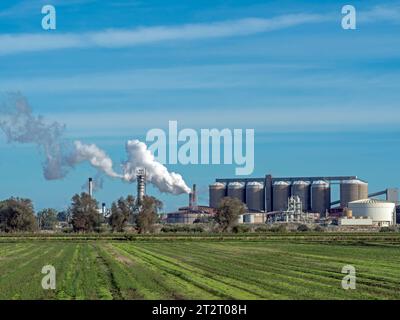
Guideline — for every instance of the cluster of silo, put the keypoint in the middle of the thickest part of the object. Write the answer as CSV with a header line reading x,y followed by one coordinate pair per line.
x,y
352,190
302,190
217,192
280,195
255,197
237,190
320,196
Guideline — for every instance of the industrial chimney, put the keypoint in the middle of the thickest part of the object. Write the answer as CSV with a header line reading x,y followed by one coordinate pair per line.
x,y
91,187
191,200
194,198
141,184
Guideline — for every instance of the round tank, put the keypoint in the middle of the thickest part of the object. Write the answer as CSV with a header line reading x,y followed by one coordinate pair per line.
x,y
255,196
217,192
280,195
236,190
320,197
381,212
363,190
302,190
352,190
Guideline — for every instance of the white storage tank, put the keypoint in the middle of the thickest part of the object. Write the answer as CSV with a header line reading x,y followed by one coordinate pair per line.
x,y
255,196
236,190
381,212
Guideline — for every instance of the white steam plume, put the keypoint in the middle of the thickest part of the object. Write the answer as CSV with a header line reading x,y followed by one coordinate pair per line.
x,y
156,173
96,157
21,126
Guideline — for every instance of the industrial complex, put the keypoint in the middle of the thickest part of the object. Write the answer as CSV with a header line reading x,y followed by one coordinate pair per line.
x,y
307,199
289,199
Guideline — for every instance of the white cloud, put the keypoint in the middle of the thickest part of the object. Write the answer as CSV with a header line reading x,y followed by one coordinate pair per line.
x,y
381,13
262,119
117,38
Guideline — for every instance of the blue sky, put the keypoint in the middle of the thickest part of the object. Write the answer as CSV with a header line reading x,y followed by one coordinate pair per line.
x,y
322,100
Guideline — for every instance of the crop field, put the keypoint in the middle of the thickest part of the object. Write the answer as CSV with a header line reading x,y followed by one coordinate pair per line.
x,y
198,269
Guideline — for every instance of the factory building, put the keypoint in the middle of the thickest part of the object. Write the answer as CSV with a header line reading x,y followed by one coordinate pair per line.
x,y
253,218
271,194
194,212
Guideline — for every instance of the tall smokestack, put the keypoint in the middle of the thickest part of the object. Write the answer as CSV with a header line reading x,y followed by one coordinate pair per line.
x,y
190,200
141,184
194,197
103,209
91,187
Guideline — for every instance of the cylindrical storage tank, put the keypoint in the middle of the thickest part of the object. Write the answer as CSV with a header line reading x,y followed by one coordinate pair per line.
x,y
381,212
217,192
352,190
349,213
255,196
236,190
280,195
363,190
302,190
320,197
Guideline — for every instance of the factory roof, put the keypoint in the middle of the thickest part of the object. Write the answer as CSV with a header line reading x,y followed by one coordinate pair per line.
x,y
367,201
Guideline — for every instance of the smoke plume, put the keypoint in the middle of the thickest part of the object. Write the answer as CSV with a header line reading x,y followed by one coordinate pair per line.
x,y
21,126
96,157
61,155
140,157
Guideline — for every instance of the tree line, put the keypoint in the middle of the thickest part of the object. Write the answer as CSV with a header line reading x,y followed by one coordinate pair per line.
x,y
18,215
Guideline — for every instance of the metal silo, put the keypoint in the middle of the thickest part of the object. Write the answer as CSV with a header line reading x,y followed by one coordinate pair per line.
x,y
363,190
352,190
255,196
302,190
236,190
217,192
320,197
280,195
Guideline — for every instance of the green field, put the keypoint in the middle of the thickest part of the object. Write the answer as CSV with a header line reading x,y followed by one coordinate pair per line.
x,y
198,268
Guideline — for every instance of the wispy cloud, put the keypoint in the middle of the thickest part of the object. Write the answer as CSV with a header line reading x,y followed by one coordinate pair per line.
x,y
117,38
389,13
206,76
262,119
